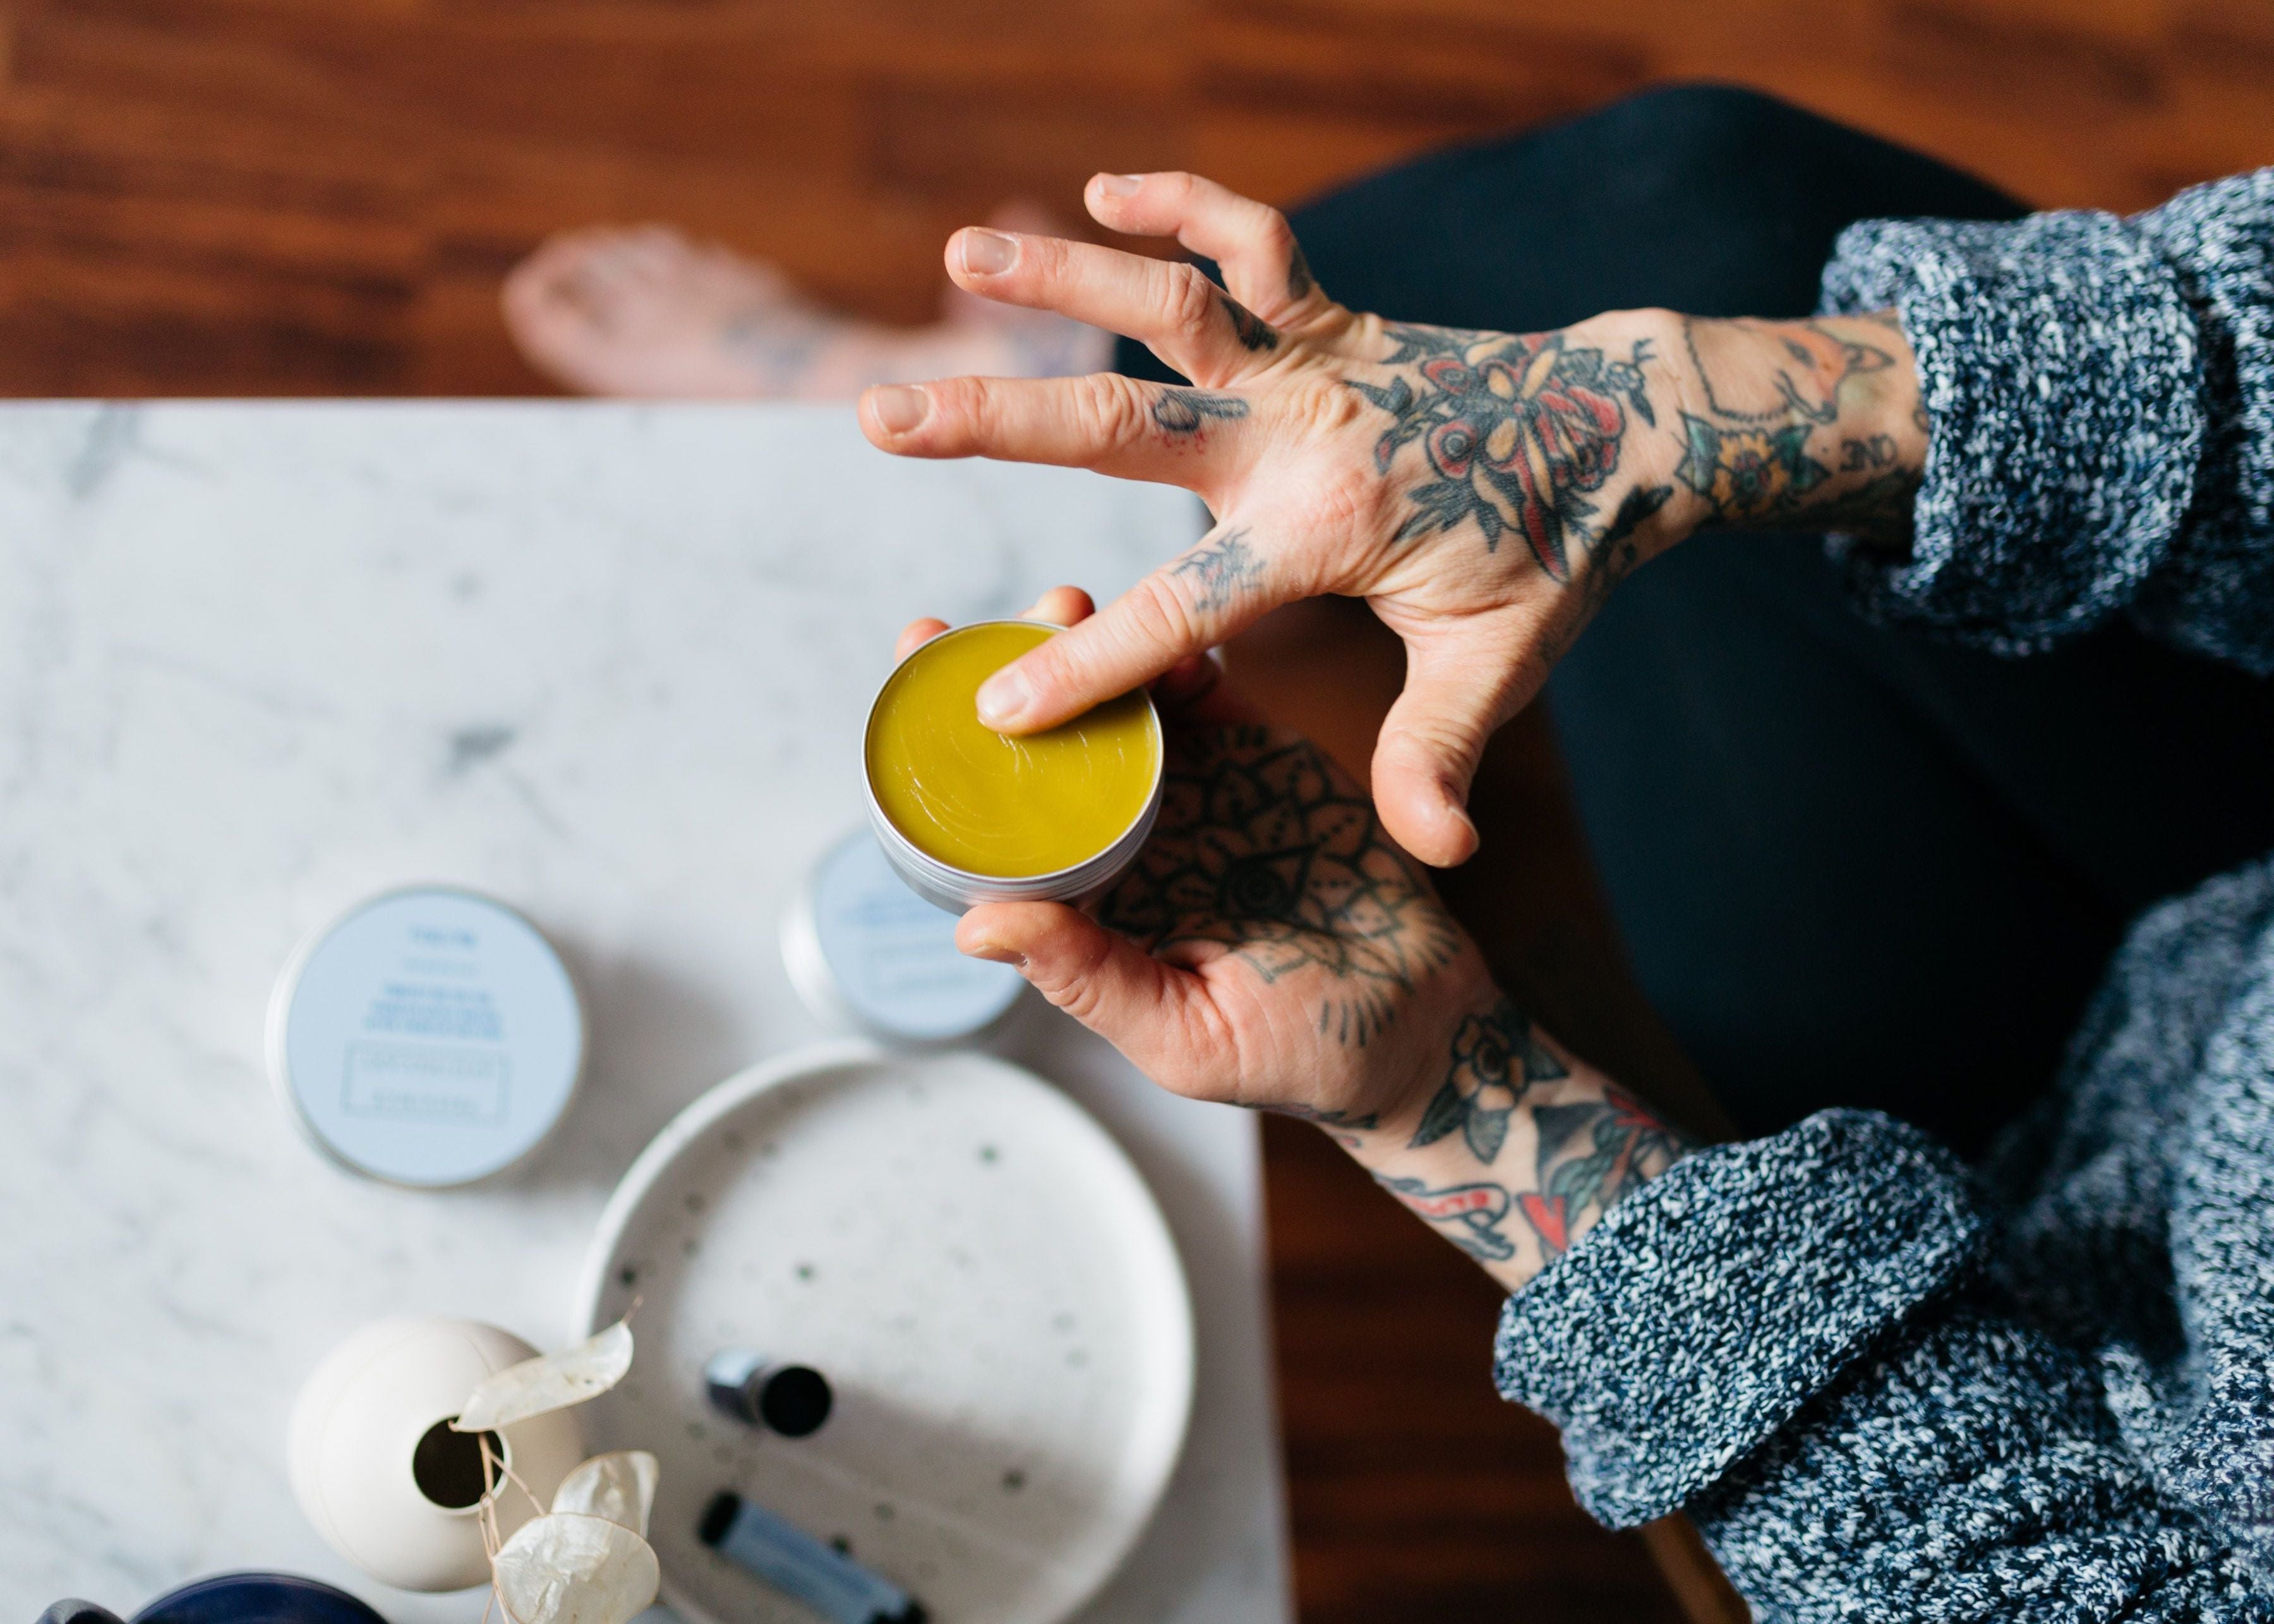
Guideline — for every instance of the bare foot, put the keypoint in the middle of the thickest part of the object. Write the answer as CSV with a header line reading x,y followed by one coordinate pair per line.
x,y
643,312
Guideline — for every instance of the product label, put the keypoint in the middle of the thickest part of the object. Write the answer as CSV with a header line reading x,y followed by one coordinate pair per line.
x,y
424,1083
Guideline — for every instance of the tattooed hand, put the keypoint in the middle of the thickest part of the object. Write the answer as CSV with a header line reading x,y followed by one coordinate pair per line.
x,y
1272,947
1483,491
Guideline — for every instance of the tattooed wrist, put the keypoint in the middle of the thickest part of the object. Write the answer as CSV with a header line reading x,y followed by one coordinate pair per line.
x,y
1801,425
1520,1150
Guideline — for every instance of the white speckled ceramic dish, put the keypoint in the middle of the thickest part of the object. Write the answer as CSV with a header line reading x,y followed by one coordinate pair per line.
x,y
983,1276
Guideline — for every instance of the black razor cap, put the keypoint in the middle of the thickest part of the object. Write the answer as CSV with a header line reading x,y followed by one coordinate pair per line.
x,y
794,1401
720,1517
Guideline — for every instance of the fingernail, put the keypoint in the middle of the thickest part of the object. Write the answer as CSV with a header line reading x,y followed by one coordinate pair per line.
x,y
994,954
1004,697
1458,816
1121,186
988,253
900,407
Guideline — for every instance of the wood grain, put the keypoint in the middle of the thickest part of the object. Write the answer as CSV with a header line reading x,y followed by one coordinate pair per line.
x,y
318,196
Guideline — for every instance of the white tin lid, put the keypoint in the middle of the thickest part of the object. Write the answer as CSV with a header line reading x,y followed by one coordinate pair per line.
x,y
866,952
430,1037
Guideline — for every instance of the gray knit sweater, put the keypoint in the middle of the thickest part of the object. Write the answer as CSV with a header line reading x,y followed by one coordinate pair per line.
x,y
1888,1387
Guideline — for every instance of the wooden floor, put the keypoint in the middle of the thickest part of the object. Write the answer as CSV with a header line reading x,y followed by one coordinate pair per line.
x,y
318,196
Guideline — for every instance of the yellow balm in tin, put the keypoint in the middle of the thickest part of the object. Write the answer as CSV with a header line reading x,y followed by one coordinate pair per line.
x,y
968,815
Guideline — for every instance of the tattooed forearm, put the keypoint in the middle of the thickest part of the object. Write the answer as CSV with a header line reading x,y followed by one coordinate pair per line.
x,y
1877,451
1496,1059
1221,572
1590,1153
1805,424
1469,1216
1518,1153
1184,412
1265,848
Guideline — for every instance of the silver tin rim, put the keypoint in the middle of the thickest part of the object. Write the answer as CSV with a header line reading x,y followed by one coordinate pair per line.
x,y
279,1016
955,890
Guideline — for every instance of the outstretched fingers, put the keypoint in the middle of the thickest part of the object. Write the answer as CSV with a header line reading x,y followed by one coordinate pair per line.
x,y
1251,242
1224,584
1171,435
1165,304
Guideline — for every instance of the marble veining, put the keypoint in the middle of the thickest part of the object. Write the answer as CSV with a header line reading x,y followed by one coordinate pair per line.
x,y
257,661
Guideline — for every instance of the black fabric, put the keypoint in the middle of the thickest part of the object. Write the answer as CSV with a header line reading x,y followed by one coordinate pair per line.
x,y
1852,867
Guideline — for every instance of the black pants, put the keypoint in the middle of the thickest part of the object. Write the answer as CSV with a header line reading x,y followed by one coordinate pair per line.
x,y
1851,865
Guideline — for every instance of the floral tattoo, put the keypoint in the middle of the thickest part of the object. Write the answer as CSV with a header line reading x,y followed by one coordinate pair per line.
x,y
1772,445
1496,1059
1264,847
1517,432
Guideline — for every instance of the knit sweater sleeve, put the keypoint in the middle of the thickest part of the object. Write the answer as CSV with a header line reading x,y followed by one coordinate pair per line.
x,y
1790,1340
2100,398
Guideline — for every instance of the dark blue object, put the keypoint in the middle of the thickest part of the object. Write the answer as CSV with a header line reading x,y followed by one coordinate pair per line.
x,y
232,1598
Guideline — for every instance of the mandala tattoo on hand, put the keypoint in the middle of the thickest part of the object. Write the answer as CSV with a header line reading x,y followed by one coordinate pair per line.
x,y
1265,848
1497,1058
1516,431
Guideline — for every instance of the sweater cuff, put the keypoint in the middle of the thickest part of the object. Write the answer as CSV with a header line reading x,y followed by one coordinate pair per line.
x,y
2058,363
1707,1307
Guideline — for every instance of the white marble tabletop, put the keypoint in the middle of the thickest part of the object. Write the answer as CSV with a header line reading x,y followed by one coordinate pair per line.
x,y
606,662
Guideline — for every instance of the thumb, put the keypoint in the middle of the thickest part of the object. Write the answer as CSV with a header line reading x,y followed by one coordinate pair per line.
x,y
1156,1014
1460,686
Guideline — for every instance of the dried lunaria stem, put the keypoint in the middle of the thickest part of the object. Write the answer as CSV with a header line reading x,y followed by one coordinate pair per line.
x,y
566,1568
586,1559
549,1382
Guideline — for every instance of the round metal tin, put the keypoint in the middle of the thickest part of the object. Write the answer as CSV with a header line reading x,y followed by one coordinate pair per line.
x,y
955,890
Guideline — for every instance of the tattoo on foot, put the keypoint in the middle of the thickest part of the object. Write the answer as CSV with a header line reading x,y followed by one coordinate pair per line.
x,y
1221,572
1517,432
1265,848
1496,1059
1591,1152
1468,1215
1251,329
1184,412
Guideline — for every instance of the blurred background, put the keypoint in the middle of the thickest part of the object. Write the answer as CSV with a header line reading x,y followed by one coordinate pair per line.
x,y
311,197
320,197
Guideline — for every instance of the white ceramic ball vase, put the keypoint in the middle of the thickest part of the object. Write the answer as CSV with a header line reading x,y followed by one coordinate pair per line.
x,y
380,1474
